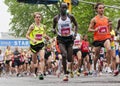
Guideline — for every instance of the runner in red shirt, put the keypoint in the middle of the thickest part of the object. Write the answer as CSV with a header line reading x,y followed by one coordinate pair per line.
x,y
85,53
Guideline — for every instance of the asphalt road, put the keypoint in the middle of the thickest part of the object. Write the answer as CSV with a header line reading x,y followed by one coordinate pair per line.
x,y
52,80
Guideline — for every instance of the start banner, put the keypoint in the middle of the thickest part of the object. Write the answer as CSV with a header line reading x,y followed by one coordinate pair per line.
x,y
14,42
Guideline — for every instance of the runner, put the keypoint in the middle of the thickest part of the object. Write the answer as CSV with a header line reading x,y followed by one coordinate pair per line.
x,y
77,52
58,57
117,43
8,60
17,63
85,55
1,62
65,37
113,57
118,26
101,34
36,34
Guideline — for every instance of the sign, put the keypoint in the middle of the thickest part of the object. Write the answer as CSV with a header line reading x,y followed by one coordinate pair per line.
x,y
39,1
14,42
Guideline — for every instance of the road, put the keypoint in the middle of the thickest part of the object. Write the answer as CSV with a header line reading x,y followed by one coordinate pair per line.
x,y
52,80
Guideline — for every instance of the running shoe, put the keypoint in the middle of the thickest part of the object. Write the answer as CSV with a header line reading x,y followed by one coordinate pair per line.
x,y
90,73
68,71
71,74
41,77
100,74
45,74
109,70
116,72
33,75
78,73
65,78
85,73
95,73
58,73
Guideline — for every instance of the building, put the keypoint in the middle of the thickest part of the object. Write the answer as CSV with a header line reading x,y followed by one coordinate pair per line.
x,y
8,40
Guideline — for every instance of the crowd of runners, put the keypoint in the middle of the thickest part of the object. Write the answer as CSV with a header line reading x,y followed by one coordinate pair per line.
x,y
69,53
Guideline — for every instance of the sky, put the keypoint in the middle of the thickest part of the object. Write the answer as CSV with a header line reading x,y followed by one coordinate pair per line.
x,y
4,17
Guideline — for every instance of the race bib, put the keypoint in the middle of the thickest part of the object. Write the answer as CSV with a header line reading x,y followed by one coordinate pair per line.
x,y
85,48
65,31
76,42
102,29
101,51
38,36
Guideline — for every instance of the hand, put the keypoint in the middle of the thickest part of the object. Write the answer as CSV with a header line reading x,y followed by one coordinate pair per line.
x,y
96,29
116,32
54,31
74,37
34,41
47,37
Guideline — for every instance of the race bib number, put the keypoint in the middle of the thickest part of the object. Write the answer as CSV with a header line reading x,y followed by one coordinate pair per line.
x,y
38,36
65,31
102,29
101,51
76,42
85,48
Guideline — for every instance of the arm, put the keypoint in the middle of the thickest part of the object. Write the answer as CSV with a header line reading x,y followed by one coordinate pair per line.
x,y
45,35
80,41
91,26
4,58
55,24
75,24
5,53
28,33
118,25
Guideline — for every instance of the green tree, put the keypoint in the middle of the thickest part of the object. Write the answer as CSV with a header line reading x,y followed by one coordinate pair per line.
x,y
22,15
83,12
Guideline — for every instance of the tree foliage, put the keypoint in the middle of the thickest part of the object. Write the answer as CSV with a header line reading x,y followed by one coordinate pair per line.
x,y
83,12
22,15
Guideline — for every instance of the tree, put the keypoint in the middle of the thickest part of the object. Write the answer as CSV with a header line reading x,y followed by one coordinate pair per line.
x,y
83,13
22,15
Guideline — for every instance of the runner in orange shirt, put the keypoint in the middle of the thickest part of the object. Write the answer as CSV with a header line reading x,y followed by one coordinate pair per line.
x,y
99,25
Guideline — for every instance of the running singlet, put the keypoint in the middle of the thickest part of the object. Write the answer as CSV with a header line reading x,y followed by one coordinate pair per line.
x,y
112,38
64,27
8,52
85,46
103,33
1,57
37,34
102,50
77,40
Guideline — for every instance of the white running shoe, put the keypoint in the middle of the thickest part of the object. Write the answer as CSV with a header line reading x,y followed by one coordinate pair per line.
x,y
109,70
95,73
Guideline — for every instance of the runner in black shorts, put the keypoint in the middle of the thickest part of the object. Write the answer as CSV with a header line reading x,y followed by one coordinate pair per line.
x,y
65,37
